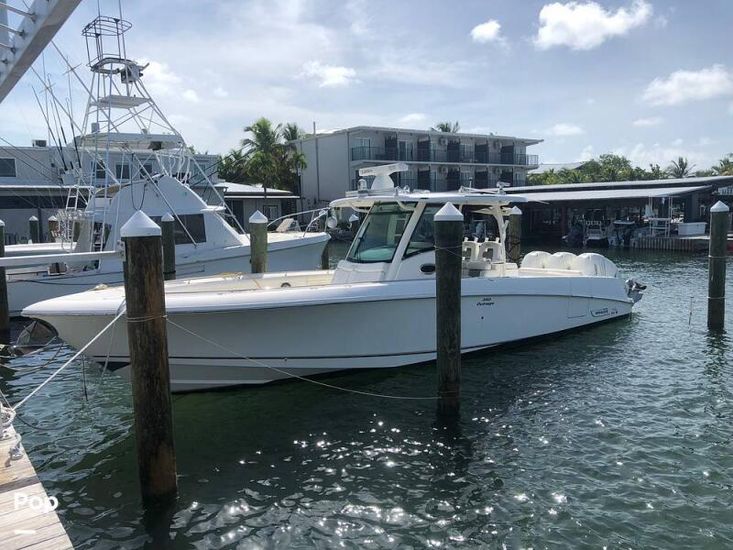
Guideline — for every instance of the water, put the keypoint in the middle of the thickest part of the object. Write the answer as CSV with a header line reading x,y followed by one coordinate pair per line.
x,y
616,436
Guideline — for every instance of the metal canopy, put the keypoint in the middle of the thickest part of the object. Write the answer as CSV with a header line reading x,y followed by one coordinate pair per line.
x,y
22,43
611,194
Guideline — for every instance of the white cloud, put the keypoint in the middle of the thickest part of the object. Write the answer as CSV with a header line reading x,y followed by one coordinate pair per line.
x,y
490,31
646,122
190,95
220,92
413,118
685,86
160,79
328,75
587,153
587,25
564,129
643,155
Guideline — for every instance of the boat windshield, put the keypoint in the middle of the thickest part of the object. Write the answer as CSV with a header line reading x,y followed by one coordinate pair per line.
x,y
378,238
423,237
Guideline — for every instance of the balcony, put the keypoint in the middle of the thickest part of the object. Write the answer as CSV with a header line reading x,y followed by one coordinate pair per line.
x,y
463,155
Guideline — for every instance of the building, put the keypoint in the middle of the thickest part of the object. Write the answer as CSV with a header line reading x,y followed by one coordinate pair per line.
x,y
243,200
553,209
437,161
31,182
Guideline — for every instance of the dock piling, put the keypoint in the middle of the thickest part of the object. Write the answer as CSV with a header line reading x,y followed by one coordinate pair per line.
x,y
168,229
148,341
716,265
4,307
258,242
34,228
514,236
448,259
53,227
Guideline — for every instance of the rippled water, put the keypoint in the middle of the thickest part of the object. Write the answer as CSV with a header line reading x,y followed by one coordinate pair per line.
x,y
616,436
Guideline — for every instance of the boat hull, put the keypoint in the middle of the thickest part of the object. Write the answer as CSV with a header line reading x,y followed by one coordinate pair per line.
x,y
299,253
259,343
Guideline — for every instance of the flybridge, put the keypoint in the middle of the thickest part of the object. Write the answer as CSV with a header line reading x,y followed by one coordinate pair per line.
x,y
25,32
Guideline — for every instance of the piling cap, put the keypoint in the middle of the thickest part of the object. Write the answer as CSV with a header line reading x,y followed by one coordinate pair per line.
x,y
448,213
32,219
353,218
2,223
140,225
167,217
515,211
720,206
53,219
258,217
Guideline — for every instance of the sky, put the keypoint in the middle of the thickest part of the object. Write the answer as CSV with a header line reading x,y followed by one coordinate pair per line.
x,y
649,79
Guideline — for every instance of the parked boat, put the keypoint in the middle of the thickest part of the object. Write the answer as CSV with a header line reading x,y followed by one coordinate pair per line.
x,y
375,310
157,177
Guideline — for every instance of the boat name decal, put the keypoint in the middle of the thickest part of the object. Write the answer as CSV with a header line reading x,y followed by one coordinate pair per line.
x,y
603,312
486,301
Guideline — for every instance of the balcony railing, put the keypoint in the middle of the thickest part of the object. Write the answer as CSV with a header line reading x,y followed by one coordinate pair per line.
x,y
466,155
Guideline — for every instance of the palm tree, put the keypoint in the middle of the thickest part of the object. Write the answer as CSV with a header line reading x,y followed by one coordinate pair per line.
x,y
680,168
724,166
656,172
447,127
231,167
291,131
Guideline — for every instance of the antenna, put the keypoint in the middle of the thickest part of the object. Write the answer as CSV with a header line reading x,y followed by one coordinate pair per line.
x,y
382,179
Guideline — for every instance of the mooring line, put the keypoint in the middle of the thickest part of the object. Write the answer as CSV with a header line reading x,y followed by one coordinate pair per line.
x,y
303,378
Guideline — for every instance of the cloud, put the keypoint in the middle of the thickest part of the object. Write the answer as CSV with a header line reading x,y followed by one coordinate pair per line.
x,y
587,153
564,129
220,92
328,75
587,25
646,122
643,155
190,95
685,86
487,32
413,118
160,79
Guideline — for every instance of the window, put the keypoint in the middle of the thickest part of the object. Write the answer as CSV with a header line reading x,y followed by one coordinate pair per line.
x,y
380,234
194,225
99,171
423,237
7,168
145,170
272,211
122,171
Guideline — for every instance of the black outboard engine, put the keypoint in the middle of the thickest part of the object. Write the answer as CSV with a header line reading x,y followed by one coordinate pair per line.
x,y
634,289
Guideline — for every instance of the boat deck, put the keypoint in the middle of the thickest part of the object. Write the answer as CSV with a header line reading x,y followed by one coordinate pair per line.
x,y
23,522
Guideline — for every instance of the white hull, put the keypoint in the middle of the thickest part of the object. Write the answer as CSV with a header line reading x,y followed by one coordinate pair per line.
x,y
283,255
344,327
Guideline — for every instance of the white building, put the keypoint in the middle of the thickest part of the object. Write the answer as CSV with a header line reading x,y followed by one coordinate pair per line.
x,y
31,180
437,161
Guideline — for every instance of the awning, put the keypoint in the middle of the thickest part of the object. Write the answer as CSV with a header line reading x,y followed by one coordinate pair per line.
x,y
612,194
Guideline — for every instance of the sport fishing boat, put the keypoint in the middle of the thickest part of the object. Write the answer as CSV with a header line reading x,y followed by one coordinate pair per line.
x,y
156,172
375,310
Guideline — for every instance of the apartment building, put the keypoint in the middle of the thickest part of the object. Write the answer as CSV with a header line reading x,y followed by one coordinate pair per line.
x,y
437,161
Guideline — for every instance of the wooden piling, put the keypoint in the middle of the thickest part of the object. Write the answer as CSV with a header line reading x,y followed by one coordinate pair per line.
x,y
4,307
448,239
34,230
514,236
168,229
716,265
53,228
148,343
258,242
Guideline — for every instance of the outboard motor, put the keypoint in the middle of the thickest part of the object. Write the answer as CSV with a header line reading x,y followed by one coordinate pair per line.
x,y
634,289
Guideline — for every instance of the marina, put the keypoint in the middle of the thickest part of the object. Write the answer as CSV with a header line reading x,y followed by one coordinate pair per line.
x,y
450,345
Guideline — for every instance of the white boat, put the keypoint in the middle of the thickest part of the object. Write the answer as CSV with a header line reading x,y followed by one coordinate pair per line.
x,y
154,178
375,310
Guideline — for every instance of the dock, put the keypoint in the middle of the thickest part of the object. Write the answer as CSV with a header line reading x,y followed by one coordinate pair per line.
x,y
698,243
27,517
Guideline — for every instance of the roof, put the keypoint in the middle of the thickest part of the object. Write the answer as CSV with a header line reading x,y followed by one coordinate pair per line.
x,y
245,189
611,194
671,182
360,199
542,168
526,141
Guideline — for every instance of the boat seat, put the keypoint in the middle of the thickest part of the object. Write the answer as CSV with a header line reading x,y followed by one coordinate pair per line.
x,y
470,251
491,251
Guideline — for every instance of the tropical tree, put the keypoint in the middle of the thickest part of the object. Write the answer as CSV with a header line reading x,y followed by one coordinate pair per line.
x,y
231,167
268,160
291,131
724,166
679,168
656,172
447,127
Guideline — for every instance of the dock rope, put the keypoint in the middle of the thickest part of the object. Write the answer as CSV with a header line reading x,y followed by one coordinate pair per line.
x,y
303,378
73,358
